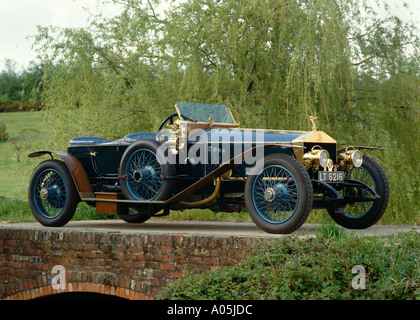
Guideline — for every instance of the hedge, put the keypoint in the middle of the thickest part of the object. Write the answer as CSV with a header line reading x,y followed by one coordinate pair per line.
x,y
19,107
314,268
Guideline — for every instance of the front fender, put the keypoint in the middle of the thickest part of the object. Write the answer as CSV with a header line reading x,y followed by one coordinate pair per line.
x,y
360,147
78,173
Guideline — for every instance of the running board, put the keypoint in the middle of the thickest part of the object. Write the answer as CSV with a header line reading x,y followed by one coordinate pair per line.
x,y
123,201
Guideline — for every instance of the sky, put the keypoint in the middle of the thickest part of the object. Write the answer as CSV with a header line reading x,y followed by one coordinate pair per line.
x,y
19,20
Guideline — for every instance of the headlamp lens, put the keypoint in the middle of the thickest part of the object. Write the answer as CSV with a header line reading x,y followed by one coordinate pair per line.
x,y
323,158
357,158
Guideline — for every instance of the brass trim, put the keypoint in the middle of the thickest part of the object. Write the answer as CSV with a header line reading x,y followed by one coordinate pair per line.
x,y
346,158
250,142
312,119
312,159
227,175
310,137
207,200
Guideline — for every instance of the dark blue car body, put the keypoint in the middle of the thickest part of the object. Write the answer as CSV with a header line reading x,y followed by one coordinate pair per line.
x,y
200,158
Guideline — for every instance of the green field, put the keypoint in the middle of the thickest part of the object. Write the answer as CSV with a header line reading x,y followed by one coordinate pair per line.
x,y
29,132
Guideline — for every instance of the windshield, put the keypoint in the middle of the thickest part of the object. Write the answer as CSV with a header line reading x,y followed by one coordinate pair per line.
x,y
202,112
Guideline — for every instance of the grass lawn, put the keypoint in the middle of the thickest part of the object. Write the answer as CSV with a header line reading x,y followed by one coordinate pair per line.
x,y
27,131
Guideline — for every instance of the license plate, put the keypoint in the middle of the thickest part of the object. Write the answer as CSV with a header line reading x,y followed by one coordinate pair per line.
x,y
331,176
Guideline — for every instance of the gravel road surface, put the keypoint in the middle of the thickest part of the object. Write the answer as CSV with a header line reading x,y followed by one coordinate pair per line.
x,y
238,229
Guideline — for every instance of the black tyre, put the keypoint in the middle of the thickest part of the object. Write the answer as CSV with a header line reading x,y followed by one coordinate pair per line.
x,y
53,197
279,198
133,216
144,173
361,215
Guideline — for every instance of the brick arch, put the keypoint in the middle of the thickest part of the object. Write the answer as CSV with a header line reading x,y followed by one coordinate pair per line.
x,y
46,291
41,287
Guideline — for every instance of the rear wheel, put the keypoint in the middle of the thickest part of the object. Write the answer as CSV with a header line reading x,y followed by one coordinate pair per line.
x,y
361,215
143,178
279,197
52,195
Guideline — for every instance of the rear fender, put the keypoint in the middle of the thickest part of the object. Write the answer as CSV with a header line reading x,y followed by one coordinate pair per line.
x,y
80,178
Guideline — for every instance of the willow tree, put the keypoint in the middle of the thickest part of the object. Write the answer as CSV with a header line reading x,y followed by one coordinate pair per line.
x,y
272,62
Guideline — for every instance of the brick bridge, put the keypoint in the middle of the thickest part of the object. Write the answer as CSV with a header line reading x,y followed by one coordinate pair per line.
x,y
114,258
120,260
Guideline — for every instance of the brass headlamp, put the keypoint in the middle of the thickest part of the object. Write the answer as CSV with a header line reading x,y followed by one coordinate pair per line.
x,y
350,158
315,158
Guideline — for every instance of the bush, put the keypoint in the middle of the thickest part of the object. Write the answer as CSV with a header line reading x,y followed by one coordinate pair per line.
x,y
4,136
314,268
20,107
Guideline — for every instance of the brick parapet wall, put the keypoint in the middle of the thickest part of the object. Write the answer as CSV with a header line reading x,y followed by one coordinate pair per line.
x,y
132,266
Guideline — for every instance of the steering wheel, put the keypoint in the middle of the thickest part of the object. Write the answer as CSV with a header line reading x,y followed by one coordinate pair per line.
x,y
171,117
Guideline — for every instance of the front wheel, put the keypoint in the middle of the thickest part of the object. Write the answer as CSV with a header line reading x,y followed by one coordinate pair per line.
x,y
279,197
53,197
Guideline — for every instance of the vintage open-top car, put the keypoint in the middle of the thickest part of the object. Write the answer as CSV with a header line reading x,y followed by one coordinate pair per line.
x,y
200,158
